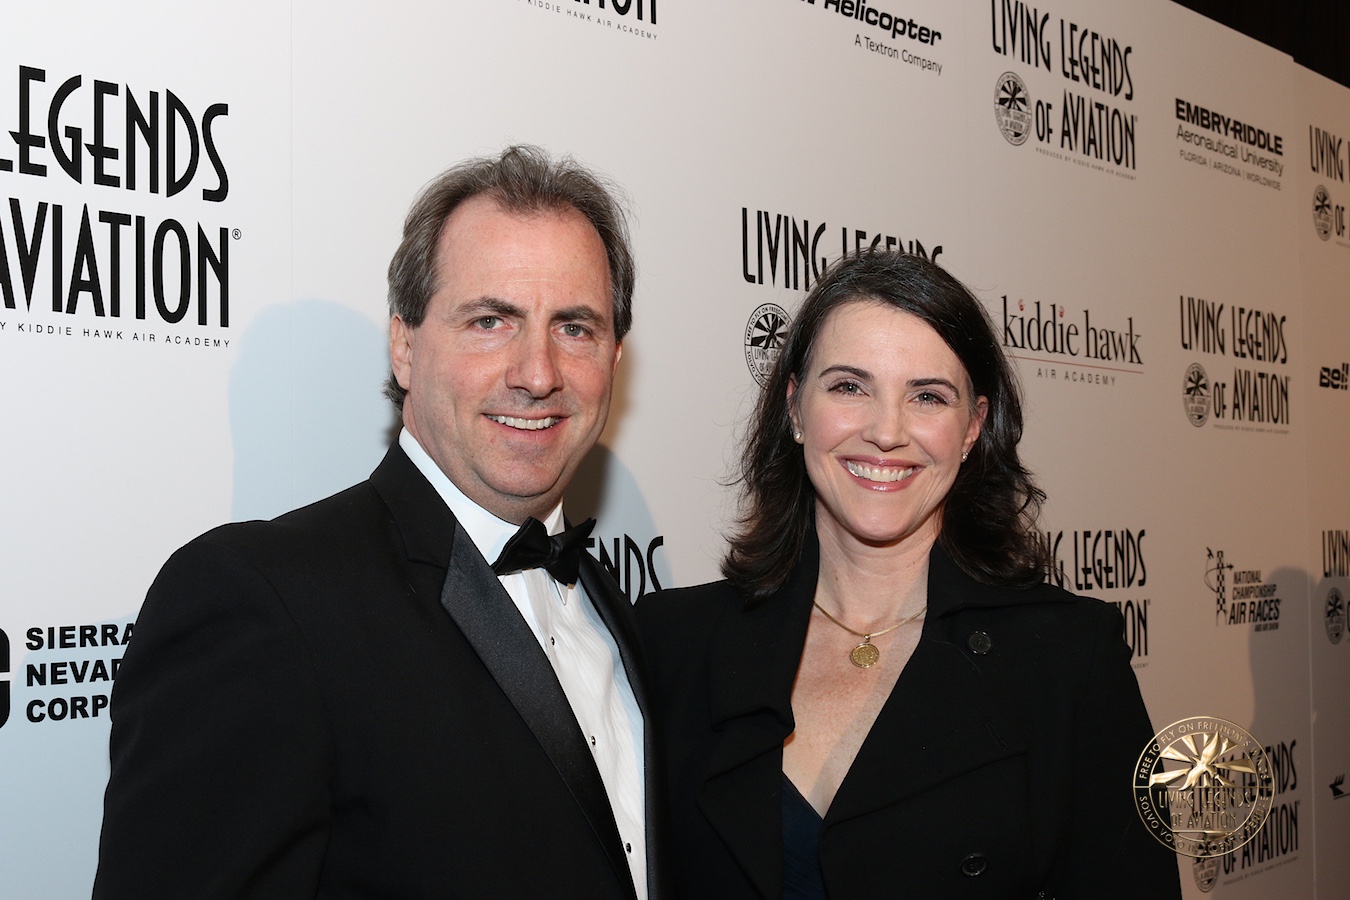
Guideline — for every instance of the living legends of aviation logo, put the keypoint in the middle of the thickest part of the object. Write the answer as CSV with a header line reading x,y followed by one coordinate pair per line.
x,y
1323,219
1255,399
1335,564
1334,614
1090,123
792,251
1203,786
1012,108
125,271
1329,160
764,335
635,18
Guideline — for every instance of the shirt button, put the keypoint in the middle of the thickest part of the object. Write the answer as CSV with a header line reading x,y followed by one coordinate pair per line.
x,y
592,740
551,641
981,642
628,847
974,864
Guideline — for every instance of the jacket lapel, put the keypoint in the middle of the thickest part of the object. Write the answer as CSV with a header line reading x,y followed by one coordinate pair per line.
x,y
919,741
486,615
755,654
478,604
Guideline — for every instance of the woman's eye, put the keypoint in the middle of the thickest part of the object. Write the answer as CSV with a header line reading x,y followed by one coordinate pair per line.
x,y
932,398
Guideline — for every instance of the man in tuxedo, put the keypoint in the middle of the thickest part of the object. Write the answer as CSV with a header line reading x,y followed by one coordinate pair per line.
x,y
349,701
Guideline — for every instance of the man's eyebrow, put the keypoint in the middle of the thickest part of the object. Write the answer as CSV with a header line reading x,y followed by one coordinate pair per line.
x,y
489,306
579,314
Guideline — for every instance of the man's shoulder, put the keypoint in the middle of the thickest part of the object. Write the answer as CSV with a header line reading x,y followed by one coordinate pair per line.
x,y
326,536
357,507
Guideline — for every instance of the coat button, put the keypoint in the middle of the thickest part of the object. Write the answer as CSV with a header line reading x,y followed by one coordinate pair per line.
x,y
981,643
974,864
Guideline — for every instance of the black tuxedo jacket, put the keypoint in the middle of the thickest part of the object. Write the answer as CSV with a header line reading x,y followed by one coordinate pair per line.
x,y
344,702
999,767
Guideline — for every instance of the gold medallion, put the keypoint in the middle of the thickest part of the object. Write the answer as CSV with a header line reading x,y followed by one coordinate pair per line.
x,y
864,656
1203,787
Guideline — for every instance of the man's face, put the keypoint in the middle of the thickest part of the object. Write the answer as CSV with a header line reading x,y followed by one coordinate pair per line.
x,y
509,375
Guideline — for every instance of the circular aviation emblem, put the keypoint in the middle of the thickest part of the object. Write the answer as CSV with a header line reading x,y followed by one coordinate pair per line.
x,y
1335,615
1195,395
1322,212
1012,108
1203,786
764,335
1206,871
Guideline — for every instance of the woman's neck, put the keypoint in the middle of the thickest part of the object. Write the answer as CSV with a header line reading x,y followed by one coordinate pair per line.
x,y
870,587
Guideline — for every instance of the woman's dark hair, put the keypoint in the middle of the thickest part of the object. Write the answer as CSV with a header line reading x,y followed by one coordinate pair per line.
x,y
988,518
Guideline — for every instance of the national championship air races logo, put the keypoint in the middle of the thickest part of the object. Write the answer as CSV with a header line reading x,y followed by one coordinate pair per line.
x,y
1241,596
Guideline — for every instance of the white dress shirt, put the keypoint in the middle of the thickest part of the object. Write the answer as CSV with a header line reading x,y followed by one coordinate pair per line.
x,y
583,654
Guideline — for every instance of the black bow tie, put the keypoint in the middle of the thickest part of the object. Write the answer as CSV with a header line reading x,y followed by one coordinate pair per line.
x,y
533,548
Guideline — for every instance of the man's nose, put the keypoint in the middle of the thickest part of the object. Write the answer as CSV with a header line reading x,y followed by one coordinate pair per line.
x,y
534,366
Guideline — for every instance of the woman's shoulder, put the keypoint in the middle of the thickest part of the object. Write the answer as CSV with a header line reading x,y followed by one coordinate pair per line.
x,y
1046,610
687,606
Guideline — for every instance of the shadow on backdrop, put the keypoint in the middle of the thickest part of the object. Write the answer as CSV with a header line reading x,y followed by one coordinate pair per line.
x,y
307,416
625,540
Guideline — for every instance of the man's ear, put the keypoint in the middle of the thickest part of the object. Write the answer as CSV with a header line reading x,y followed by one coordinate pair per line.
x,y
401,351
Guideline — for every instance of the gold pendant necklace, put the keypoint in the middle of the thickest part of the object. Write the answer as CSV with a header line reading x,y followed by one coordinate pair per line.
x,y
866,654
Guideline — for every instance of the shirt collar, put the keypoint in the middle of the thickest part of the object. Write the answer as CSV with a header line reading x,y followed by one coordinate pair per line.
x,y
488,532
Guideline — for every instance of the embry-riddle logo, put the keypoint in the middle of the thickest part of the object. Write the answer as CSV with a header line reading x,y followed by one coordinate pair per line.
x,y
1012,108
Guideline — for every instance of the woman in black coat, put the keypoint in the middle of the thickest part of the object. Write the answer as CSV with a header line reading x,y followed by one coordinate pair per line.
x,y
883,698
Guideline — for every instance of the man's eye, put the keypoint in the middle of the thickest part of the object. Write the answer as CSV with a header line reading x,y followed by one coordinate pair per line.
x,y
488,322
572,329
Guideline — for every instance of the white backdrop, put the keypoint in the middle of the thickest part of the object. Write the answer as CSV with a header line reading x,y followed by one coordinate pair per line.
x,y
755,140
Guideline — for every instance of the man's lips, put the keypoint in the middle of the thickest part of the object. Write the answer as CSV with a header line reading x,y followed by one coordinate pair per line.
x,y
524,424
879,474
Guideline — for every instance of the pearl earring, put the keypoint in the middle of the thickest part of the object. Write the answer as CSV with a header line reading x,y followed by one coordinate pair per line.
x,y
797,436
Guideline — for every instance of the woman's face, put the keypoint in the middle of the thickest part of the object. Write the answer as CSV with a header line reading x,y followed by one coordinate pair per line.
x,y
885,414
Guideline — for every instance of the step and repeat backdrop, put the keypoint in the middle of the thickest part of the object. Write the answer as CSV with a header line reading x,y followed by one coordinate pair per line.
x,y
197,206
